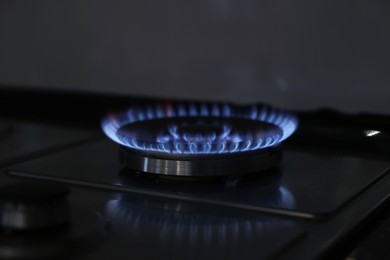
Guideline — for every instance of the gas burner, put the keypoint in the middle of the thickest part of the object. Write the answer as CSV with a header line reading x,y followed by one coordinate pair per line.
x,y
199,139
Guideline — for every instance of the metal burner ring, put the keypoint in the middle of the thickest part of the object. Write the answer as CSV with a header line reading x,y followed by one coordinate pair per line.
x,y
203,166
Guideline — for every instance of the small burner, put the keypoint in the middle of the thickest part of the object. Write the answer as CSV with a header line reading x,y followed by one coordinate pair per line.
x,y
199,139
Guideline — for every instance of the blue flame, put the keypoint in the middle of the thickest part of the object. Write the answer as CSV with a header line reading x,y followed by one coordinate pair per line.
x,y
225,141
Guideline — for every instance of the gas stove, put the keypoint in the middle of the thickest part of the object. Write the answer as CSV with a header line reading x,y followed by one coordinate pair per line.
x,y
180,179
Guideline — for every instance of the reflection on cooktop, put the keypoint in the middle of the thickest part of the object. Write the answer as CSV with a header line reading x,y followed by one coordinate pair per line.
x,y
194,231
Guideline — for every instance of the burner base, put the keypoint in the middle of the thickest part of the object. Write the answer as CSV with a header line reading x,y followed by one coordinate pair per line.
x,y
202,166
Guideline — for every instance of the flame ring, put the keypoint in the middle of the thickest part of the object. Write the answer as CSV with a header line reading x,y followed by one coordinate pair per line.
x,y
286,121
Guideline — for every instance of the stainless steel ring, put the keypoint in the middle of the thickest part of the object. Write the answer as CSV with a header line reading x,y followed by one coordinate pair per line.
x,y
211,166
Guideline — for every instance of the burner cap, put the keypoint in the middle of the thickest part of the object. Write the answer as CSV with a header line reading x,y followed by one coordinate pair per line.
x,y
199,139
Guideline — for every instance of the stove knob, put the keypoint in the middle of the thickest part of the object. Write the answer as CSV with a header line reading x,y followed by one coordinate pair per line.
x,y
33,205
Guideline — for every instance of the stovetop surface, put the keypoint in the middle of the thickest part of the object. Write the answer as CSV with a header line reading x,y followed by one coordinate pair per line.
x,y
307,185
22,140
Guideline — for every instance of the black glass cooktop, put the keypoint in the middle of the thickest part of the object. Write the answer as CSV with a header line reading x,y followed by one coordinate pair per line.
x,y
307,185
20,140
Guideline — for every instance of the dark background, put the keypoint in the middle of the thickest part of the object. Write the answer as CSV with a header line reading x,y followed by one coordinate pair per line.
x,y
296,54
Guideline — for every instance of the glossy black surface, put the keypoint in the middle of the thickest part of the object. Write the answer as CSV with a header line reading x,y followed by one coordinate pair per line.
x,y
305,184
21,140
179,230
